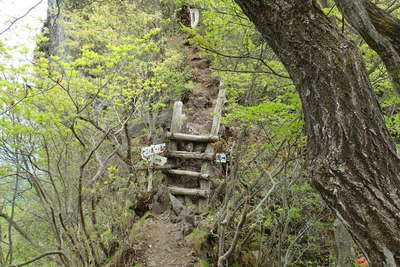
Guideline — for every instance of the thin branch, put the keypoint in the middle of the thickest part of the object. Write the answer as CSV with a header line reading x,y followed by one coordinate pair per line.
x,y
235,238
18,229
41,256
21,17
243,71
246,57
103,165
266,196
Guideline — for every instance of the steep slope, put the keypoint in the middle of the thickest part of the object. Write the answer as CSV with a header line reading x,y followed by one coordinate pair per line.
x,y
162,237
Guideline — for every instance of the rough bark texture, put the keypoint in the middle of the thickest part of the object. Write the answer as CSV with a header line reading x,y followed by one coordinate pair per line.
x,y
353,161
385,24
324,3
379,29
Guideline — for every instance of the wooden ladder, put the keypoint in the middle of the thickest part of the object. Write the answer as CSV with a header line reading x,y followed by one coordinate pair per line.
x,y
206,171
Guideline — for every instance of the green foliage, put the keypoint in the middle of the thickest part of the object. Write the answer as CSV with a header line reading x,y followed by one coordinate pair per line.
x,y
74,109
281,120
204,263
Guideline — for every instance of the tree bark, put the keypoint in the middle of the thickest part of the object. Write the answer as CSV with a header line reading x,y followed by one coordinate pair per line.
x,y
324,3
379,29
352,160
386,24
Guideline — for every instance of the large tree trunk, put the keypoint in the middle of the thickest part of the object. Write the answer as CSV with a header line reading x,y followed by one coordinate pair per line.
x,y
353,161
324,3
379,29
385,24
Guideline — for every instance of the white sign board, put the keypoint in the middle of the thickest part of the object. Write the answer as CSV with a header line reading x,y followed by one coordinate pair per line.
x,y
221,158
194,17
152,150
159,160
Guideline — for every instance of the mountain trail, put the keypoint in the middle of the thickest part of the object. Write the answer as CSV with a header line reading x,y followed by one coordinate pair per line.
x,y
162,240
164,244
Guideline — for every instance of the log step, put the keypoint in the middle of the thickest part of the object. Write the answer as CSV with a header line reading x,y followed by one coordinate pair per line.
x,y
165,167
188,173
190,155
188,191
193,138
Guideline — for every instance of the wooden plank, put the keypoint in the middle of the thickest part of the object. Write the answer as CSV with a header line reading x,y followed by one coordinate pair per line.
x,y
193,138
188,191
188,173
176,123
206,167
190,155
218,111
165,167
176,127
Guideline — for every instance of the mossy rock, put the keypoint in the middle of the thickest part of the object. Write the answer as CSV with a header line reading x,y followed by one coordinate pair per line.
x,y
198,241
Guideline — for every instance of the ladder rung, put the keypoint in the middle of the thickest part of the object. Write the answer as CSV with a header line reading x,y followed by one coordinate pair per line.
x,y
193,138
190,155
165,167
188,191
188,173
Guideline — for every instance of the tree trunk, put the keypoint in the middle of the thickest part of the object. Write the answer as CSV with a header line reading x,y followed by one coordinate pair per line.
x,y
324,3
380,30
385,24
352,159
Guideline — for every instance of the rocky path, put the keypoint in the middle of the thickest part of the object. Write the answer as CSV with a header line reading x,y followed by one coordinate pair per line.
x,y
165,244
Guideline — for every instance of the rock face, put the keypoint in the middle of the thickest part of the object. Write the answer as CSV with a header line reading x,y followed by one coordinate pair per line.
x,y
56,29
56,33
161,201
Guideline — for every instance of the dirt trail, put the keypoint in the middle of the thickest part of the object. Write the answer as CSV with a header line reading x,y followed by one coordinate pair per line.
x,y
165,244
199,108
163,240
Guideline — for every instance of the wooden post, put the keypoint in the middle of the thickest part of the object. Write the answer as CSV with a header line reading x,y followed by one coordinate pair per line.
x,y
150,177
206,167
176,127
176,123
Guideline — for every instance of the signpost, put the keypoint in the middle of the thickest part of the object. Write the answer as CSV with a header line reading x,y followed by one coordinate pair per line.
x,y
150,153
159,160
220,158
194,15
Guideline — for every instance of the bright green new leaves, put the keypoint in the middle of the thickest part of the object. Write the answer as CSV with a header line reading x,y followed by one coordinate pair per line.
x,y
280,120
118,68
